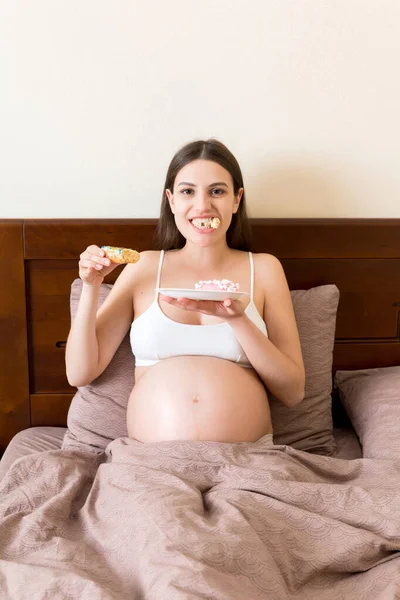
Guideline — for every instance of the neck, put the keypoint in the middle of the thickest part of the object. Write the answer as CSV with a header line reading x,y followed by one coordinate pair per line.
x,y
209,257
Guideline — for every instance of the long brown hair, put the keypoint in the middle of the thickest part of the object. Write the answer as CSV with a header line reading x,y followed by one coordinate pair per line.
x,y
167,235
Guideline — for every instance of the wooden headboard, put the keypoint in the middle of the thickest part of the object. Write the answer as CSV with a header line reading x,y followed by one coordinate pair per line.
x,y
38,262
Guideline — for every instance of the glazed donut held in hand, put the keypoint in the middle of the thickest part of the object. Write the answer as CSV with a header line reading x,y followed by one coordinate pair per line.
x,y
96,263
121,255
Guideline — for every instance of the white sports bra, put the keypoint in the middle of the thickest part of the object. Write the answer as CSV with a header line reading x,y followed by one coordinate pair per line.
x,y
154,336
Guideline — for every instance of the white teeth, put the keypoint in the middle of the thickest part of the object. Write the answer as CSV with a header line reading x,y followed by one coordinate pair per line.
x,y
212,223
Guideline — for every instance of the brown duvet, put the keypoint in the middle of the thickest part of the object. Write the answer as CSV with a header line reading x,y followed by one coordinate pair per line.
x,y
199,520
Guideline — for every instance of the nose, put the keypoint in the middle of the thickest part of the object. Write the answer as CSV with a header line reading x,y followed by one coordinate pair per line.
x,y
203,200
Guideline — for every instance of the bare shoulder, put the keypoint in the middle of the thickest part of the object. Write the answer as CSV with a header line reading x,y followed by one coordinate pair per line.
x,y
268,268
135,271
147,257
132,275
271,278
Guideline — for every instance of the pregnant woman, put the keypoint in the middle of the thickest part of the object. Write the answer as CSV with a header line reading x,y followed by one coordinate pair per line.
x,y
203,367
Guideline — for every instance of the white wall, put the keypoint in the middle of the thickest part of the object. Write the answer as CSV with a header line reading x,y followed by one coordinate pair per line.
x,y
96,96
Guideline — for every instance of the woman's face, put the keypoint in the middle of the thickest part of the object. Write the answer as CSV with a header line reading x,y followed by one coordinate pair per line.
x,y
203,189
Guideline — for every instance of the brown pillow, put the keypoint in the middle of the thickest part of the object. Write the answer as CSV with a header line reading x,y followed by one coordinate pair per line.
x,y
308,426
371,398
98,411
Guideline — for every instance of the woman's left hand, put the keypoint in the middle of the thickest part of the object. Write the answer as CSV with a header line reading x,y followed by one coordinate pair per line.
x,y
226,309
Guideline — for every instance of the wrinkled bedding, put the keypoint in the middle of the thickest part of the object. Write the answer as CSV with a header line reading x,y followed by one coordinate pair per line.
x,y
38,439
185,520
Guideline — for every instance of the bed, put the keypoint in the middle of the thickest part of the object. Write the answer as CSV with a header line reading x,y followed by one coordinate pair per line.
x,y
39,263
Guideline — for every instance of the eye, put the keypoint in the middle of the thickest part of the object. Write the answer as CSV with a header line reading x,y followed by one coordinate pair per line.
x,y
218,190
187,190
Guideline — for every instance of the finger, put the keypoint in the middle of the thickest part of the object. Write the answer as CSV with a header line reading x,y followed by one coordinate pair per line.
x,y
188,303
99,259
165,298
86,263
207,307
173,301
88,275
95,257
182,303
93,249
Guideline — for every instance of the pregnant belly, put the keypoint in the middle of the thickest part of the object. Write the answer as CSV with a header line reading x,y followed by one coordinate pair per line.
x,y
198,398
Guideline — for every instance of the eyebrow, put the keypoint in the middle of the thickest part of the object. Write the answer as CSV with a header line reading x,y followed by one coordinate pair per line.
x,y
211,184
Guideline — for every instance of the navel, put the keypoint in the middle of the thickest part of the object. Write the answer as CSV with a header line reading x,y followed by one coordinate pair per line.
x,y
195,399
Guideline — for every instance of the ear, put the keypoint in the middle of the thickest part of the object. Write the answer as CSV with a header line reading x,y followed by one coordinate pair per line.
x,y
237,200
170,198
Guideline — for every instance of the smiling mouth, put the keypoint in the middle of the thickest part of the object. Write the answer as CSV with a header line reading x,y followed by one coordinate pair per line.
x,y
210,223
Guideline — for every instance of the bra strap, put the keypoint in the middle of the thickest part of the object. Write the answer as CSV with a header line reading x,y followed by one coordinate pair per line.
x,y
251,276
159,272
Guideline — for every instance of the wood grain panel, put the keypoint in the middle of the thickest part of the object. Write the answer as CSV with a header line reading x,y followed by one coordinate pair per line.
x,y
362,355
327,238
50,409
369,292
48,288
14,382
287,238
66,239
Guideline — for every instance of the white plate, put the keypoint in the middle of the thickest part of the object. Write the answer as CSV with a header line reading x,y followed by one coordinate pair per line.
x,y
194,294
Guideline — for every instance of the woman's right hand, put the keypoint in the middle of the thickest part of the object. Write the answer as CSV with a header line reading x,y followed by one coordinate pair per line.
x,y
94,265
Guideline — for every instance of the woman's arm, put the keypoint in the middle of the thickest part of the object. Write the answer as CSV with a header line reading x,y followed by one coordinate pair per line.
x,y
96,334
282,376
277,359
